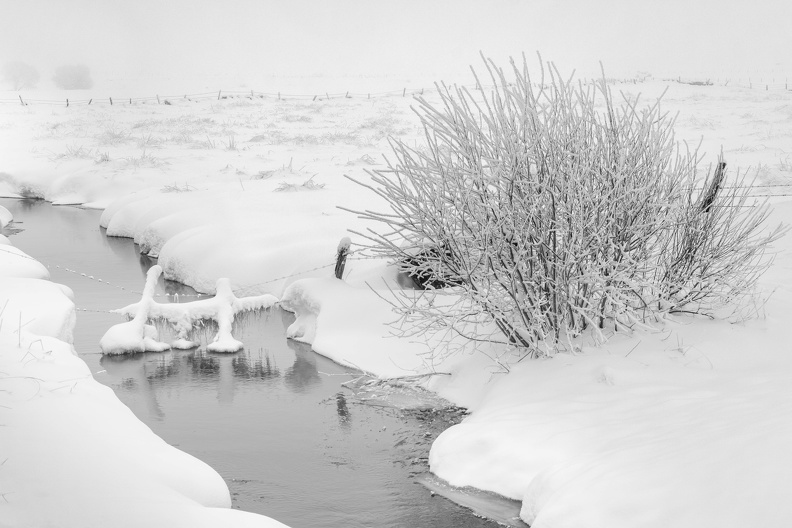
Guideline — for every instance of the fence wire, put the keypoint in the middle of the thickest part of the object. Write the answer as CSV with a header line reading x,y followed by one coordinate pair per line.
x,y
750,83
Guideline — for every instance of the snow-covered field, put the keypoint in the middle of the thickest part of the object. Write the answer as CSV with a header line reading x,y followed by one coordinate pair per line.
x,y
689,425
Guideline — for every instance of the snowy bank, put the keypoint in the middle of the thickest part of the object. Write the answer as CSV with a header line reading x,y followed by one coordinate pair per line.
x,y
73,454
686,426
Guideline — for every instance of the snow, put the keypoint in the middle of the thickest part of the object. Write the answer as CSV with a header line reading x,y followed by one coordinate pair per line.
x,y
16,263
137,336
5,216
73,454
687,425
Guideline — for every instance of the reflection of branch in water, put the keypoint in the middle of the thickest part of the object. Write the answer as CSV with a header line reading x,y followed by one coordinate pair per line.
x,y
204,366
342,409
165,368
132,370
146,263
259,369
303,373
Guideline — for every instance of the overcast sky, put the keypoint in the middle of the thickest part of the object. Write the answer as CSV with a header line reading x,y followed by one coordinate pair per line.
x,y
247,38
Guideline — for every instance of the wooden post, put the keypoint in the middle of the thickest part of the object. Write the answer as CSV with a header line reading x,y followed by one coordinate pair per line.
x,y
341,255
130,100
404,92
347,94
218,94
21,101
158,101
89,101
315,96
714,188
327,95
67,103
111,101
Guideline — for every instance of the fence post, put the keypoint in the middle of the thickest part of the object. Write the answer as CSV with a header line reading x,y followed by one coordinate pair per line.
x,y
21,101
218,94
130,100
89,101
67,103
111,101
341,255
404,92
158,101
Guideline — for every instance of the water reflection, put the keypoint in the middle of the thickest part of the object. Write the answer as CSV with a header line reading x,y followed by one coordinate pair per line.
x,y
145,262
120,247
28,204
164,369
223,374
342,410
303,374
259,368
203,366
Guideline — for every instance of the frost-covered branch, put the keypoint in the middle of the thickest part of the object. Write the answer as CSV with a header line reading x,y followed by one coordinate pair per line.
x,y
554,210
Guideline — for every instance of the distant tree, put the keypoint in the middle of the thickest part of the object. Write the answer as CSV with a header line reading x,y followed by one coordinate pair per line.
x,y
73,77
20,75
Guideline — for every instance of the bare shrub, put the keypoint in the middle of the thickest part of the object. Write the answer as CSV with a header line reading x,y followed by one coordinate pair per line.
x,y
73,77
548,209
20,75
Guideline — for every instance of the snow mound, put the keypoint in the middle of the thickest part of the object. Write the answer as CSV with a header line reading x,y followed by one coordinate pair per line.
x,y
5,216
16,263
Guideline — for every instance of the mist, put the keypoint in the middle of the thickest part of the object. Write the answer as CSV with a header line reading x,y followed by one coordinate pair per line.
x,y
240,42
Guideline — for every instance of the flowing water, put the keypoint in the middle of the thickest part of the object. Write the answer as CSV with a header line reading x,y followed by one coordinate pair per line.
x,y
272,419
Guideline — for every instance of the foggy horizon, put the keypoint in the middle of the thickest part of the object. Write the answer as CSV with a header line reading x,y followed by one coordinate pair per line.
x,y
242,41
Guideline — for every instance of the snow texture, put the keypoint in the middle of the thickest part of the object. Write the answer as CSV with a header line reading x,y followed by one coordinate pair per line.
x,y
685,426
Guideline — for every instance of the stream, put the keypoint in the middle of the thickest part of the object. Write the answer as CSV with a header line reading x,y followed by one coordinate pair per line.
x,y
274,420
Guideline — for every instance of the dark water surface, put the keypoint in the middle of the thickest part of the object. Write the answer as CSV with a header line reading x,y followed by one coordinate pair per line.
x,y
273,419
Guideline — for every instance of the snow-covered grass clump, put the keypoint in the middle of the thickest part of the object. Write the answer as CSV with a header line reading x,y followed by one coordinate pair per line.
x,y
138,336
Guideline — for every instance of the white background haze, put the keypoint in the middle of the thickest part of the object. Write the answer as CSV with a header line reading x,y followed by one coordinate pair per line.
x,y
229,43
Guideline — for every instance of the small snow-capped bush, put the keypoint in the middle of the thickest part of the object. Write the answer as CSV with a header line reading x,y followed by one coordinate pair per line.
x,y
549,208
73,77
